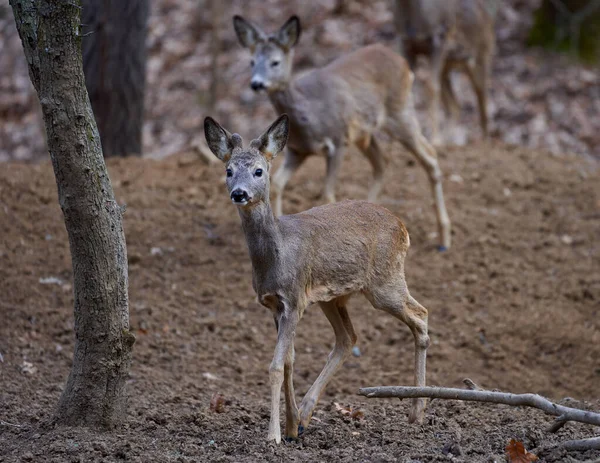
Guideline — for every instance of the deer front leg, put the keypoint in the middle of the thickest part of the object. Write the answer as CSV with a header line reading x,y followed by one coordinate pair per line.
x,y
449,100
438,59
334,160
375,156
286,329
292,417
291,409
478,75
291,163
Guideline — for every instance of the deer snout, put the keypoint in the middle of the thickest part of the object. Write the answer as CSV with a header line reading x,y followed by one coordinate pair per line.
x,y
257,85
239,196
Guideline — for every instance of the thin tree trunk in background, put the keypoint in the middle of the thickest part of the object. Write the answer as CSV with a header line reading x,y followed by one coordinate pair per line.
x,y
114,61
94,393
216,16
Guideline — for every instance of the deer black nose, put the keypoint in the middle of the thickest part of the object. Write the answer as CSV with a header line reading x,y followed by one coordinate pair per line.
x,y
239,196
257,85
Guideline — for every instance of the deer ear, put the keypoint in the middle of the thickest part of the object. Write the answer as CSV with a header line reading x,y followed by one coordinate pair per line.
x,y
218,139
289,33
248,34
272,142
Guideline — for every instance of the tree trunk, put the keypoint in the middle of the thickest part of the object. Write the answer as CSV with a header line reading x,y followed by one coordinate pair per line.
x,y
94,394
114,61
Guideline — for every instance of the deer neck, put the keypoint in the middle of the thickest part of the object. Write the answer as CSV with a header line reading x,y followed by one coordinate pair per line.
x,y
283,99
263,235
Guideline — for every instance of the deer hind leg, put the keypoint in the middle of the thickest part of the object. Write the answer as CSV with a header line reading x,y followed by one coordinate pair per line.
x,y
345,338
395,299
406,129
375,156
291,162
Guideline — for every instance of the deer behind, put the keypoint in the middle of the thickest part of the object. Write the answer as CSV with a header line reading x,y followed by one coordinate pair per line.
x,y
348,102
324,256
454,35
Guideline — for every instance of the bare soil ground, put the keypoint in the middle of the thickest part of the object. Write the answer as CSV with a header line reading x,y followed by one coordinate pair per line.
x,y
514,305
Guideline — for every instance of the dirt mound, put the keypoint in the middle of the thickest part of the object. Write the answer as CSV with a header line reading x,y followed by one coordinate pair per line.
x,y
514,305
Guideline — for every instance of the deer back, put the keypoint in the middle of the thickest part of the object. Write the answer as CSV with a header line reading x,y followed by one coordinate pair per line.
x,y
346,100
342,248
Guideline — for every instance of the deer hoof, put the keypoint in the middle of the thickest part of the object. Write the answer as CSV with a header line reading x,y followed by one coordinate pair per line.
x,y
300,430
442,248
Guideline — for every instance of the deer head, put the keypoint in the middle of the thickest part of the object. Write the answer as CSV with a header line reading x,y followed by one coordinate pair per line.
x,y
247,170
272,55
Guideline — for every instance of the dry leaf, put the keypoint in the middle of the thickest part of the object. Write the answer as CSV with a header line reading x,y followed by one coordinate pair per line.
x,y
27,368
356,414
343,410
217,403
516,453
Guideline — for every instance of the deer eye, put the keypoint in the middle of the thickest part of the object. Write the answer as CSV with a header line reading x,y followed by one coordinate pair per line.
x,y
229,172
252,63
275,63
258,172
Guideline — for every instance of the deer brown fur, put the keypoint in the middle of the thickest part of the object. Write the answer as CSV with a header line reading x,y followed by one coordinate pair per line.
x,y
323,255
453,35
351,101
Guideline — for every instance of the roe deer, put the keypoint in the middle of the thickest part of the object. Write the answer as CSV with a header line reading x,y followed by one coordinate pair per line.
x,y
323,255
453,34
343,103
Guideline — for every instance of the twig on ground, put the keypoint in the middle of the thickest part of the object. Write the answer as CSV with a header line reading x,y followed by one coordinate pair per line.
x,y
527,400
558,424
582,444
471,385
5,423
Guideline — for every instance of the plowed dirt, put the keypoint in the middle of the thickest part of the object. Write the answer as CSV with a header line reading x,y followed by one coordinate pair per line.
x,y
514,305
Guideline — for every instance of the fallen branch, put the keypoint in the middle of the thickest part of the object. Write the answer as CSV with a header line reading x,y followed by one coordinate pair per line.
x,y
525,400
6,423
582,444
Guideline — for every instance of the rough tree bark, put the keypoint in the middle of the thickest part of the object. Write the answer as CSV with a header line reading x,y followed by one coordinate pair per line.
x,y
94,393
114,62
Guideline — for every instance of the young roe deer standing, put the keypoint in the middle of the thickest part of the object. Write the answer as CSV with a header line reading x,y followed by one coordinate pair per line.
x,y
323,255
453,34
346,102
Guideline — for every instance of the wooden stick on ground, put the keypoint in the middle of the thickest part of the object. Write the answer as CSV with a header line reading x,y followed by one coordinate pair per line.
x,y
582,444
476,394
526,400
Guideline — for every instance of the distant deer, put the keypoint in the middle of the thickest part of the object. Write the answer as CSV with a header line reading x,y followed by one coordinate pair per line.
x,y
323,255
453,34
345,102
